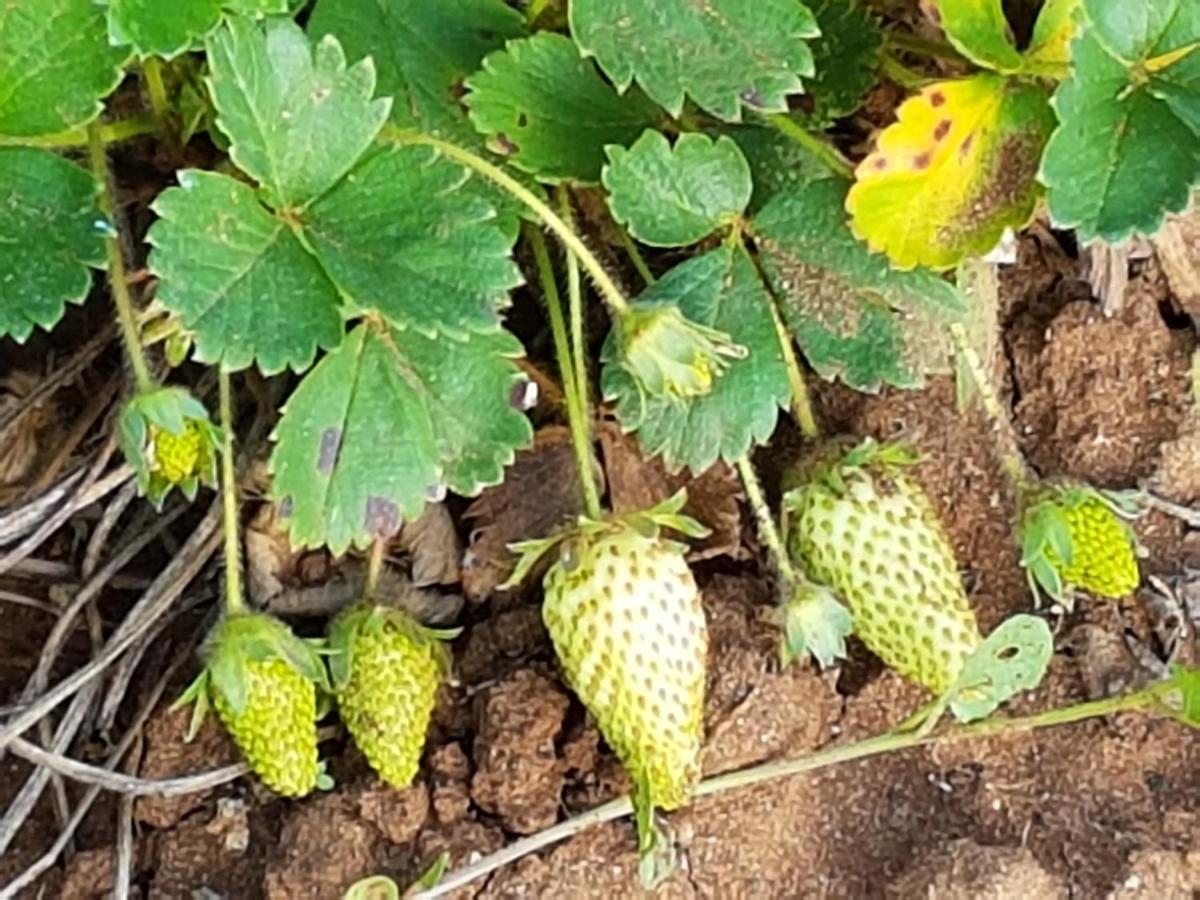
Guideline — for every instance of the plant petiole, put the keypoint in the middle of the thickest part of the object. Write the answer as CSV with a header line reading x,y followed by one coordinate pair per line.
x,y
234,601
119,286
900,73
156,90
109,133
822,149
910,43
767,529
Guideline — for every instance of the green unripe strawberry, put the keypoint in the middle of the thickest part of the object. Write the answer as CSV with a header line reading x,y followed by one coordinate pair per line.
x,y
624,614
177,456
386,670
1073,537
857,524
262,680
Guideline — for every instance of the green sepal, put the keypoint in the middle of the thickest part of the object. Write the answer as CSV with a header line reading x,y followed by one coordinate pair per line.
x,y
657,858
814,622
367,618
256,637
529,553
170,409
667,514
196,693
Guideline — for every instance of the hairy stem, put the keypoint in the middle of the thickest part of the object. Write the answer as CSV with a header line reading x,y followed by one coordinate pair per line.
x,y
580,440
1007,449
534,11
119,287
575,311
156,90
1148,700
635,256
109,133
768,532
898,72
234,602
608,288
374,567
819,148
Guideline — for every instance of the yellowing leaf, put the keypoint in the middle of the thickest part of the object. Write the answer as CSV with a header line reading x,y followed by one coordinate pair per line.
x,y
955,170
1049,51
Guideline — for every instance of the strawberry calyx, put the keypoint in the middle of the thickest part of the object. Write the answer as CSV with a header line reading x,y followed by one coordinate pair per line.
x,y
813,621
170,441
373,618
670,356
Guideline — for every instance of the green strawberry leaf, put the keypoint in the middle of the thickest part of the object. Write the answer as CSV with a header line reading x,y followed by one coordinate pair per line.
x,y
1127,149
777,163
852,314
979,30
239,278
722,290
387,421
1185,707
49,207
1049,51
55,65
296,117
168,29
1012,659
845,57
423,52
548,110
674,196
957,168
678,48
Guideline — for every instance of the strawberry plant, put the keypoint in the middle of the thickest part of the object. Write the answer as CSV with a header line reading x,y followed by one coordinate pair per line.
x,y
360,192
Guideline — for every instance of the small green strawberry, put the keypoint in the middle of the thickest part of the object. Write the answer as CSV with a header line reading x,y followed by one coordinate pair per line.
x,y
669,355
262,680
857,524
625,617
169,440
386,669
1074,536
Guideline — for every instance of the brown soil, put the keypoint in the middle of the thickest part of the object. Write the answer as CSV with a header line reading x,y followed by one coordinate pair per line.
x,y
1104,808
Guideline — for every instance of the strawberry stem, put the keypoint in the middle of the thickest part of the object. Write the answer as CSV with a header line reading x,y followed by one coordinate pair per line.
x,y
575,311
576,416
608,288
1011,458
110,133
119,287
768,532
374,567
234,602
156,90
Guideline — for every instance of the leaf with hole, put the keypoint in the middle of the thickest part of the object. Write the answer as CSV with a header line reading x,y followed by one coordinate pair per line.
x,y
168,29
1127,148
721,290
48,203
957,168
547,109
1012,659
677,48
389,421
674,196
853,315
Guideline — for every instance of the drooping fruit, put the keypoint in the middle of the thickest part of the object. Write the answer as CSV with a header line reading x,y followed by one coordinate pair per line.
x,y
386,670
1073,537
860,526
262,680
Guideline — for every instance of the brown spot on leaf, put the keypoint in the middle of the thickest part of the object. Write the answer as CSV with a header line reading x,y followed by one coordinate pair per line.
x,y
382,517
880,163
965,147
942,129
504,145
327,453
937,98
921,160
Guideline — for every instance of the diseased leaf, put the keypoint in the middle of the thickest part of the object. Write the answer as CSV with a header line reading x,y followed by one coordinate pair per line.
x,y
1049,51
297,118
47,207
239,277
955,170
400,236
168,29
722,53
423,51
547,109
1127,149
853,315
388,421
979,30
55,65
1014,658
720,289
674,196
845,57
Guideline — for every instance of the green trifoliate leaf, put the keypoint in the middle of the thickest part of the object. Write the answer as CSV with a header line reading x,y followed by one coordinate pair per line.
x,y
239,277
1127,150
845,57
296,116
722,290
548,110
674,196
980,31
389,420
168,29
55,65
853,315
49,211
423,51
723,54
